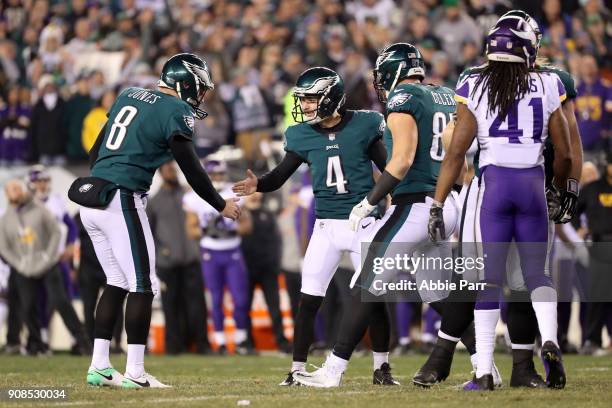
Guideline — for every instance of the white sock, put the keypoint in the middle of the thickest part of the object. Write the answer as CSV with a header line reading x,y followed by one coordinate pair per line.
x,y
485,322
523,346
336,363
380,359
3,313
219,337
474,360
298,366
240,335
445,336
404,341
99,359
135,360
544,302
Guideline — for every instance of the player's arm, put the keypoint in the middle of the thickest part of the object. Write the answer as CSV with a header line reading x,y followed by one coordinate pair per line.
x,y
447,136
184,152
93,153
559,134
454,158
270,181
192,225
575,141
378,154
405,135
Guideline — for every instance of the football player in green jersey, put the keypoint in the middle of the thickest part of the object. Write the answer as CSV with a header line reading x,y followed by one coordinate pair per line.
x,y
145,129
339,147
416,117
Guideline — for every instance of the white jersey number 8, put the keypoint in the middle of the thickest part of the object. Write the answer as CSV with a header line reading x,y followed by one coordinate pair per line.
x,y
119,129
437,147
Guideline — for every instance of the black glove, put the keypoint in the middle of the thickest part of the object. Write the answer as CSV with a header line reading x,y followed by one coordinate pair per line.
x,y
553,201
569,200
436,222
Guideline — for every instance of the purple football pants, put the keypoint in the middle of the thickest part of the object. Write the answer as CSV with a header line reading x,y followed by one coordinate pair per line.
x,y
513,207
226,268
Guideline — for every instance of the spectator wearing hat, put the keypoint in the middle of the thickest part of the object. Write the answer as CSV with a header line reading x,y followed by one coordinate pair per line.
x,y
48,132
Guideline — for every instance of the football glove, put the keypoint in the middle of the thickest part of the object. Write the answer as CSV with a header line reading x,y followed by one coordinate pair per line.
x,y
569,200
553,201
436,222
359,212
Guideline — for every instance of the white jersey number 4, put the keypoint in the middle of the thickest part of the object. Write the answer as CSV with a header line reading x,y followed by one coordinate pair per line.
x,y
335,176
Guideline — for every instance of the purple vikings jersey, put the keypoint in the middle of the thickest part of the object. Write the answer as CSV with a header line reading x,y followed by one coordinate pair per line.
x,y
508,142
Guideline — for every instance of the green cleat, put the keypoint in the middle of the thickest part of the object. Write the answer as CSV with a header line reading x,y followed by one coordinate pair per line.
x,y
108,377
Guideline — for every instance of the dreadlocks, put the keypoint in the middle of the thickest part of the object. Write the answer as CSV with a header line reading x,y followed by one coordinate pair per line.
x,y
505,82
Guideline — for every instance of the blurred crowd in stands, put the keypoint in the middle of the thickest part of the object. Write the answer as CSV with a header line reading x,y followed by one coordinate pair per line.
x,y
62,63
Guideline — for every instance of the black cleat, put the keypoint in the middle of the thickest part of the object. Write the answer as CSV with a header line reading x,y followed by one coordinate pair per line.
x,y
525,375
383,376
221,350
484,383
436,369
553,364
290,381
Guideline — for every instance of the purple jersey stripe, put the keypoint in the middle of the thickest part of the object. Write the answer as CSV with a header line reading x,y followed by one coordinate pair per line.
x,y
463,90
561,89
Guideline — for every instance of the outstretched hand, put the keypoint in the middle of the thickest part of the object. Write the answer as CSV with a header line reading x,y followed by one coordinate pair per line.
x,y
247,186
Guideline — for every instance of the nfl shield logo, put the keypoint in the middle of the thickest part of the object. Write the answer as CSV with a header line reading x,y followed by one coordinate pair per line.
x,y
332,136
189,121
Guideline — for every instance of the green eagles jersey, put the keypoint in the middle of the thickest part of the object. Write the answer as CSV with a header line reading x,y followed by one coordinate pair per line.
x,y
140,124
432,108
340,166
570,90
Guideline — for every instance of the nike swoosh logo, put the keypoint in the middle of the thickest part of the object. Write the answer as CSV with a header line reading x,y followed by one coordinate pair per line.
x,y
142,384
366,226
108,377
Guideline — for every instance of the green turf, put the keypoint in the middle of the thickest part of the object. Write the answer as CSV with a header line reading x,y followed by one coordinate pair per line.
x,y
223,381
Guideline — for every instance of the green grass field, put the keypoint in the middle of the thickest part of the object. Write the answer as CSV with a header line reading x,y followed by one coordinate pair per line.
x,y
223,381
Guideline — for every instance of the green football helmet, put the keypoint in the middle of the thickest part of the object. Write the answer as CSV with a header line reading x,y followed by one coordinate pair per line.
x,y
396,62
323,84
189,76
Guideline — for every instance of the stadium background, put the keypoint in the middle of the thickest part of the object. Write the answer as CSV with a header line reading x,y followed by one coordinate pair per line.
x,y
87,51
